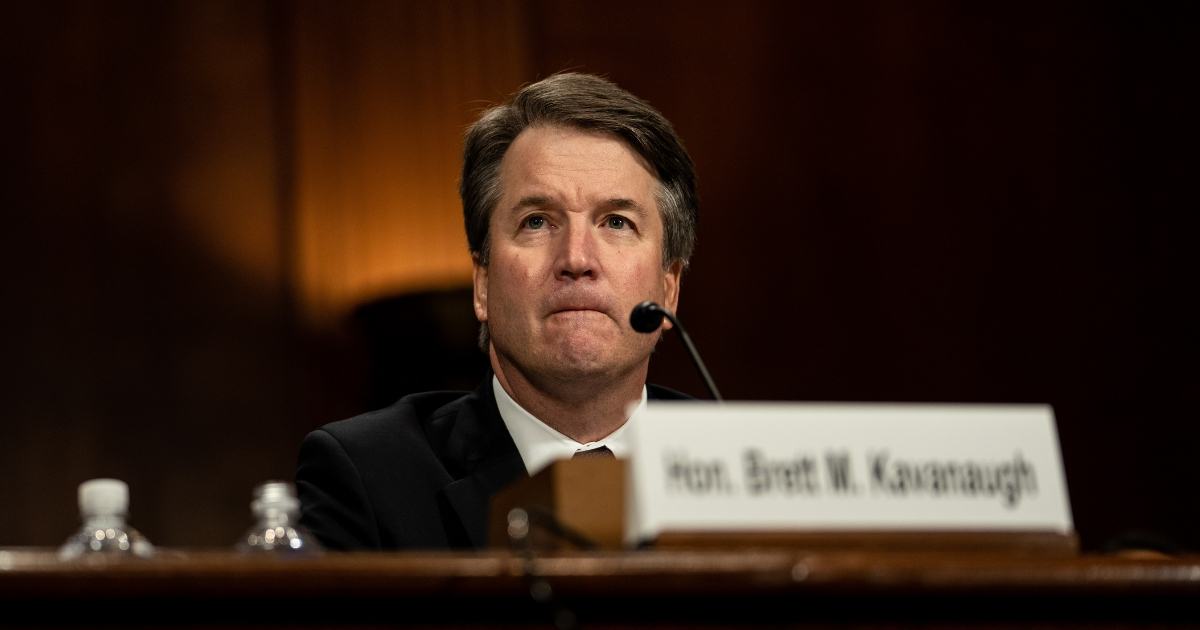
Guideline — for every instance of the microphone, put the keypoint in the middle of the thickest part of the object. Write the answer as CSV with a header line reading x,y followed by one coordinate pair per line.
x,y
647,317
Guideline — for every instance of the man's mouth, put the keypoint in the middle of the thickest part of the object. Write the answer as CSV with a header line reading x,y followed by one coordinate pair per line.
x,y
578,308
580,304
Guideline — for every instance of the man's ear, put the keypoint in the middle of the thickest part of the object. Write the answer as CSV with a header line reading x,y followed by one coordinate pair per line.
x,y
479,280
671,281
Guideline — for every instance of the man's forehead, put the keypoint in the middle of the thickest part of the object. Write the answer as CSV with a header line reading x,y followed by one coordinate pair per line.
x,y
548,145
530,177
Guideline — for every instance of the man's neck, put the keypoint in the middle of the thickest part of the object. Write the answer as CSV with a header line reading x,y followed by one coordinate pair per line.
x,y
583,411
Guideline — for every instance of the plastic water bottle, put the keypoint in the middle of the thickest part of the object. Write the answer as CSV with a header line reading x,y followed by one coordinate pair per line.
x,y
103,505
278,530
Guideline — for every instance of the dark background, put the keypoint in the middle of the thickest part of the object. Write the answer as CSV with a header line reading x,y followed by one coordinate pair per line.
x,y
900,202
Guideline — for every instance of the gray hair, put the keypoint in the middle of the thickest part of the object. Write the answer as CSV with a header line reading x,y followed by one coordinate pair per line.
x,y
589,103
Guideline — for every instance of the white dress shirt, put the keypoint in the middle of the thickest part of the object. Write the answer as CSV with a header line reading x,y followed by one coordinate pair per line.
x,y
541,445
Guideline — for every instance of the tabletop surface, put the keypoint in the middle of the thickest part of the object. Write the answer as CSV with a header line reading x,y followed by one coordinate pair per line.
x,y
25,571
723,588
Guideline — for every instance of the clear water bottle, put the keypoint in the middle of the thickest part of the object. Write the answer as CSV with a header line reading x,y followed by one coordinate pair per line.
x,y
103,505
278,530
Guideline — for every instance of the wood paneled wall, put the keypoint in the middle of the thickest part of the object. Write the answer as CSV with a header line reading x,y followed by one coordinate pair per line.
x,y
384,93
144,319
939,202
197,196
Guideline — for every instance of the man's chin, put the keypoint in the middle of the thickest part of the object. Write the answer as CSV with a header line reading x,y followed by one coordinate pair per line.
x,y
586,358
574,354
575,366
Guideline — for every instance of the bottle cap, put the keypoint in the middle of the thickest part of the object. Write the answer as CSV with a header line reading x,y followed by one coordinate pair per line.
x,y
274,495
103,497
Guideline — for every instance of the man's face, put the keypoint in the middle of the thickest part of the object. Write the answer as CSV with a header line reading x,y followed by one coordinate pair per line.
x,y
576,243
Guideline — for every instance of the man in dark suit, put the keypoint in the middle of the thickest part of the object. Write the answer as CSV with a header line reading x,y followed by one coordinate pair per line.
x,y
579,202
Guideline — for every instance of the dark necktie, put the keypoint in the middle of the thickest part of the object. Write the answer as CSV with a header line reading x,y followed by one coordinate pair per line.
x,y
601,452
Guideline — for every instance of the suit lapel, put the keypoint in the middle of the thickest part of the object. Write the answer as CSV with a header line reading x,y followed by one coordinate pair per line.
x,y
480,445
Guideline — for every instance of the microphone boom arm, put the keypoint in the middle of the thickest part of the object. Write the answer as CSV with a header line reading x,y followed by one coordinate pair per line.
x,y
647,317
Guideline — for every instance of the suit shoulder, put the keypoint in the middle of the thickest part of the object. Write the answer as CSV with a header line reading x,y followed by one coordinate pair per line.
x,y
370,482
658,392
404,419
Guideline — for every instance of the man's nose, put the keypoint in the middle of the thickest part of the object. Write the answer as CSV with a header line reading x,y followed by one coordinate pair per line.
x,y
577,256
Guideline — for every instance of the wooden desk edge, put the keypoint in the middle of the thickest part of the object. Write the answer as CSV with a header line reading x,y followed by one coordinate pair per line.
x,y
195,573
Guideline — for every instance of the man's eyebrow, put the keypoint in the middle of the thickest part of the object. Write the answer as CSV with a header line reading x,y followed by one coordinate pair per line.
x,y
616,203
532,201
621,203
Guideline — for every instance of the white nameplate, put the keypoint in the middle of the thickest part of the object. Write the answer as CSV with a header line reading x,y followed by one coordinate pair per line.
x,y
747,467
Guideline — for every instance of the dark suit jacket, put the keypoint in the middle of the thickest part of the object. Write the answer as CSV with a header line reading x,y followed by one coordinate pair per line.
x,y
416,475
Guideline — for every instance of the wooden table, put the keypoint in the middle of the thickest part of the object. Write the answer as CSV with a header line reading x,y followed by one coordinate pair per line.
x,y
711,588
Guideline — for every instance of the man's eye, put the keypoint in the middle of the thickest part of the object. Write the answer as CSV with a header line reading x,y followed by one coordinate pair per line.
x,y
616,223
535,223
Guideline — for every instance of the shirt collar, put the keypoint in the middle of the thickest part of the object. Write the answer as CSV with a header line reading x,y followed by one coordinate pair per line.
x,y
541,445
